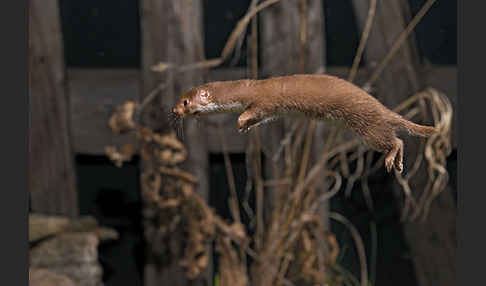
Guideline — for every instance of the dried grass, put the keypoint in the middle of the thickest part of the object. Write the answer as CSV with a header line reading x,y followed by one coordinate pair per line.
x,y
292,244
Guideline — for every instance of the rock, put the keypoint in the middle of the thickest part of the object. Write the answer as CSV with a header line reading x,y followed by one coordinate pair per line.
x,y
41,226
72,254
72,250
65,248
82,224
84,274
105,233
45,277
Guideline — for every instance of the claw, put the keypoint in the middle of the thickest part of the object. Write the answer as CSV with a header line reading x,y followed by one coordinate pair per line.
x,y
389,164
399,167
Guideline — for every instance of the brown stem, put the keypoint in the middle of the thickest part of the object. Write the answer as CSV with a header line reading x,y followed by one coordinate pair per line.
x,y
233,200
362,43
359,245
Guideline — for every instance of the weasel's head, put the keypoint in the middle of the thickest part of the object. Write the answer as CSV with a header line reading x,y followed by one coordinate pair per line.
x,y
194,102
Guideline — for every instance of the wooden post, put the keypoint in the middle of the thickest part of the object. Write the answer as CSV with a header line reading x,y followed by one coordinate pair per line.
x,y
283,53
280,39
172,32
52,180
432,243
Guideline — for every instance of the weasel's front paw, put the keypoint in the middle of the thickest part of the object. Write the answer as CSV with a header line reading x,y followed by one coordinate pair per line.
x,y
248,120
243,125
243,129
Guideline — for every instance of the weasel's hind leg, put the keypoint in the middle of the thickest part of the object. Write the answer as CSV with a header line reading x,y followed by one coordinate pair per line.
x,y
384,140
395,156
399,156
250,118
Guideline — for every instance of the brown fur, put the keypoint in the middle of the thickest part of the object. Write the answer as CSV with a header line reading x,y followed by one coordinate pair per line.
x,y
320,97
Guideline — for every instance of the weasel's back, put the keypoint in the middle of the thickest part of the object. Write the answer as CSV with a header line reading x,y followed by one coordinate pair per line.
x,y
320,96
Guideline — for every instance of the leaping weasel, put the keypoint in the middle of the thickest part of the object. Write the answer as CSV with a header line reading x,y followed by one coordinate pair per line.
x,y
321,97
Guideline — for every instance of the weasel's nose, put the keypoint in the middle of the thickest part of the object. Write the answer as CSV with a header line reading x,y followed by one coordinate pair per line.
x,y
178,111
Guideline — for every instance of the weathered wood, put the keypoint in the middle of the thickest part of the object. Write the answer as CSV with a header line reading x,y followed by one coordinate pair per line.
x,y
280,37
154,37
186,36
52,181
282,54
172,32
155,48
94,94
389,22
432,244
224,74
187,46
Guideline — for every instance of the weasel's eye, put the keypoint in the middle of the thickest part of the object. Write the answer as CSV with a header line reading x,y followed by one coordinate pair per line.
x,y
185,102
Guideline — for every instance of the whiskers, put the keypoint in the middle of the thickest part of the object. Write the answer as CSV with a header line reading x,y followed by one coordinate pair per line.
x,y
177,123
199,122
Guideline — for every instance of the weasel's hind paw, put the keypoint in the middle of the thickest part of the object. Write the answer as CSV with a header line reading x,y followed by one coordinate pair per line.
x,y
389,160
394,157
399,165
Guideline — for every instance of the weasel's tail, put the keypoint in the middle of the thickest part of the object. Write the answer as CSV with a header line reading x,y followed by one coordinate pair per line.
x,y
417,129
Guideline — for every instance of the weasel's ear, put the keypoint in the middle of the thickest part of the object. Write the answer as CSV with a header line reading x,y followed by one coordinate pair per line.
x,y
204,96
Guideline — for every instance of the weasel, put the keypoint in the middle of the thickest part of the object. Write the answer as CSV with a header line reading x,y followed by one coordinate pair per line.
x,y
321,97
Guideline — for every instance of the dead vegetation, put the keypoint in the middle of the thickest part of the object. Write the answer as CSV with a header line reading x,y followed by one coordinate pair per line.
x,y
291,244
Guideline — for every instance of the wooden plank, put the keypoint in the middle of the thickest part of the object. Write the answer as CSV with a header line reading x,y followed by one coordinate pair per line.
x,y
433,259
52,181
94,96
95,93
225,74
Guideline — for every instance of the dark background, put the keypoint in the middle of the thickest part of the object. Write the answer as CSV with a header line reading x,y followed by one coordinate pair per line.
x,y
105,34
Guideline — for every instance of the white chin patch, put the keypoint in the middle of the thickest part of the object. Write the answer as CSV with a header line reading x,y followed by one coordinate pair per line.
x,y
214,108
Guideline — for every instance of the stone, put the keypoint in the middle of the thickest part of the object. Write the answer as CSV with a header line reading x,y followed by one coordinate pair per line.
x,y
45,277
72,254
42,226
